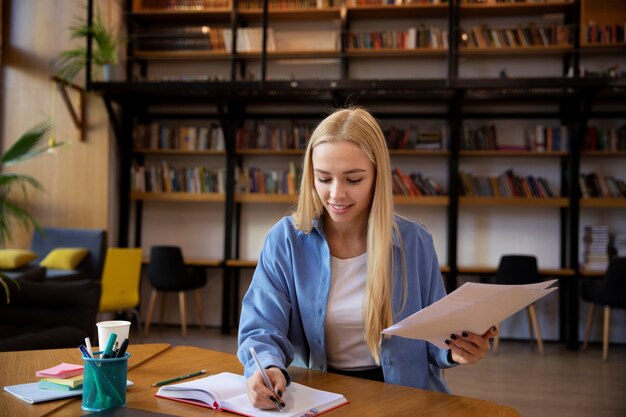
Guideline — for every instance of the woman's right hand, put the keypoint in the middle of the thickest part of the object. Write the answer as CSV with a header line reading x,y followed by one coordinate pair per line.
x,y
261,396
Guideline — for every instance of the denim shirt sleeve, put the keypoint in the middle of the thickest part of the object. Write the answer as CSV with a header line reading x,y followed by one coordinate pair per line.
x,y
264,321
284,309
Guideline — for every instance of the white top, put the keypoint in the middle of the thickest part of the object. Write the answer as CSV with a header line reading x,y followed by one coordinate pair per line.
x,y
345,338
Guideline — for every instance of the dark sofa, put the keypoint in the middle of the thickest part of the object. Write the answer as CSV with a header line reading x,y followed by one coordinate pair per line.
x,y
48,314
61,237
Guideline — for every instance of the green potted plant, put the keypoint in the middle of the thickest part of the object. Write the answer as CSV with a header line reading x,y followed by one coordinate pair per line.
x,y
104,49
34,142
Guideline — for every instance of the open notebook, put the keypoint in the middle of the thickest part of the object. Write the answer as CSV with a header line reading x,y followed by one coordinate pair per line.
x,y
227,391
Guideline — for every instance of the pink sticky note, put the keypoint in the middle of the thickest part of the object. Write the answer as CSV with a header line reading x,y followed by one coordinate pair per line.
x,y
63,370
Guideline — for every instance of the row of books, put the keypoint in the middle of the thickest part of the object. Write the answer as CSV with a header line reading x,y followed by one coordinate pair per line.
x,y
200,5
598,185
415,184
285,4
201,38
356,3
414,37
417,137
507,1
597,33
276,138
530,35
605,139
540,138
481,138
596,247
164,178
180,38
505,185
184,5
157,136
256,180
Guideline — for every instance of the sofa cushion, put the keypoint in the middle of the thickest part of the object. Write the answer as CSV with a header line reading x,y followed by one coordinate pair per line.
x,y
94,240
15,258
64,258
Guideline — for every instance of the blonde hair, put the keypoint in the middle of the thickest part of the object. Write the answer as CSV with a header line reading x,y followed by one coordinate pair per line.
x,y
358,126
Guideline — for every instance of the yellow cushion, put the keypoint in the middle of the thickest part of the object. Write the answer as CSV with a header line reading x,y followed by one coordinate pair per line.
x,y
15,258
64,258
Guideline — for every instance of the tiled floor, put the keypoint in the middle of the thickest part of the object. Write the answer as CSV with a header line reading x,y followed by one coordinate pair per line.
x,y
560,383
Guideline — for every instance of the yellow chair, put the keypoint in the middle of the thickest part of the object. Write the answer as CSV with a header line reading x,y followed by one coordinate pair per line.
x,y
120,282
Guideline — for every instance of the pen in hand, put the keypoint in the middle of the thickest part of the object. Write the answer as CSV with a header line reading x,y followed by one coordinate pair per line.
x,y
266,380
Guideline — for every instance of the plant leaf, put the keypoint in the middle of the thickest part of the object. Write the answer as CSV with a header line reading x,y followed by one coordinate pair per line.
x,y
30,144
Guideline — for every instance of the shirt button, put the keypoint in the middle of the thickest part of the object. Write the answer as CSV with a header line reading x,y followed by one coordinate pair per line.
x,y
387,361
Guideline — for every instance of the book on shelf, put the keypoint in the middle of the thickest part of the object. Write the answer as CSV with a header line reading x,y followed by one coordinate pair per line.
x,y
505,185
188,5
483,36
597,33
227,391
605,139
596,240
285,5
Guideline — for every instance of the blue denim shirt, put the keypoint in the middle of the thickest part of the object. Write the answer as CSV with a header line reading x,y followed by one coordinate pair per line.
x,y
284,309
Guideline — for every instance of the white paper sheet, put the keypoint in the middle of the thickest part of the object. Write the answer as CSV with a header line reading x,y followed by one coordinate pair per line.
x,y
472,307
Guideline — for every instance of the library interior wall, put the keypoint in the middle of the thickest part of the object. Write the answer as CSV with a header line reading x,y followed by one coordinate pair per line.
x,y
76,178
88,168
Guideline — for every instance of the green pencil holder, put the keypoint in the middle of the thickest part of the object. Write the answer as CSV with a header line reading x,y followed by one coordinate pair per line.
x,y
104,383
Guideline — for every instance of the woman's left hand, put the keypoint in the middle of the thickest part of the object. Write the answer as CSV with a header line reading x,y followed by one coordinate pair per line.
x,y
468,347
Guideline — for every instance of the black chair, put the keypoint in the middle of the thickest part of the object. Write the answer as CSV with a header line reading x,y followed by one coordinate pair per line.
x,y
609,292
519,270
167,273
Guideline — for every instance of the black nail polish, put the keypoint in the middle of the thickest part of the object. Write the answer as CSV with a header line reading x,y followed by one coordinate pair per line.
x,y
280,393
464,334
282,405
453,336
493,328
272,399
447,342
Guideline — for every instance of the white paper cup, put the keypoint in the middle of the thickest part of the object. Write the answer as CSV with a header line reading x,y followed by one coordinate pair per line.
x,y
105,328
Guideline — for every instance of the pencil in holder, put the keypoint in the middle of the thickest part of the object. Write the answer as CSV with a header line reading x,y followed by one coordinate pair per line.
x,y
104,383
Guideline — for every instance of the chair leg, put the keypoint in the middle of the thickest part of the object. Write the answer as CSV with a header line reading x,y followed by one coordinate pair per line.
x,y
496,340
183,312
199,309
592,309
605,333
151,306
163,298
535,323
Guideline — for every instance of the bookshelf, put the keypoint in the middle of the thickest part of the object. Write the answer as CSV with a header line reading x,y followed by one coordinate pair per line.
x,y
450,85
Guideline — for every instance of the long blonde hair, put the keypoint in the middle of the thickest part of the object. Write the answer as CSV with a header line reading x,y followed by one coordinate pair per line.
x,y
358,126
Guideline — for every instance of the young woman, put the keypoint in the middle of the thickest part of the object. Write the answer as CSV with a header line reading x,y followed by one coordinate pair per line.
x,y
340,269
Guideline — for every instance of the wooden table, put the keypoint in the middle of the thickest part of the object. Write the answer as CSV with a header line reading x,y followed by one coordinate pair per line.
x,y
20,367
366,398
